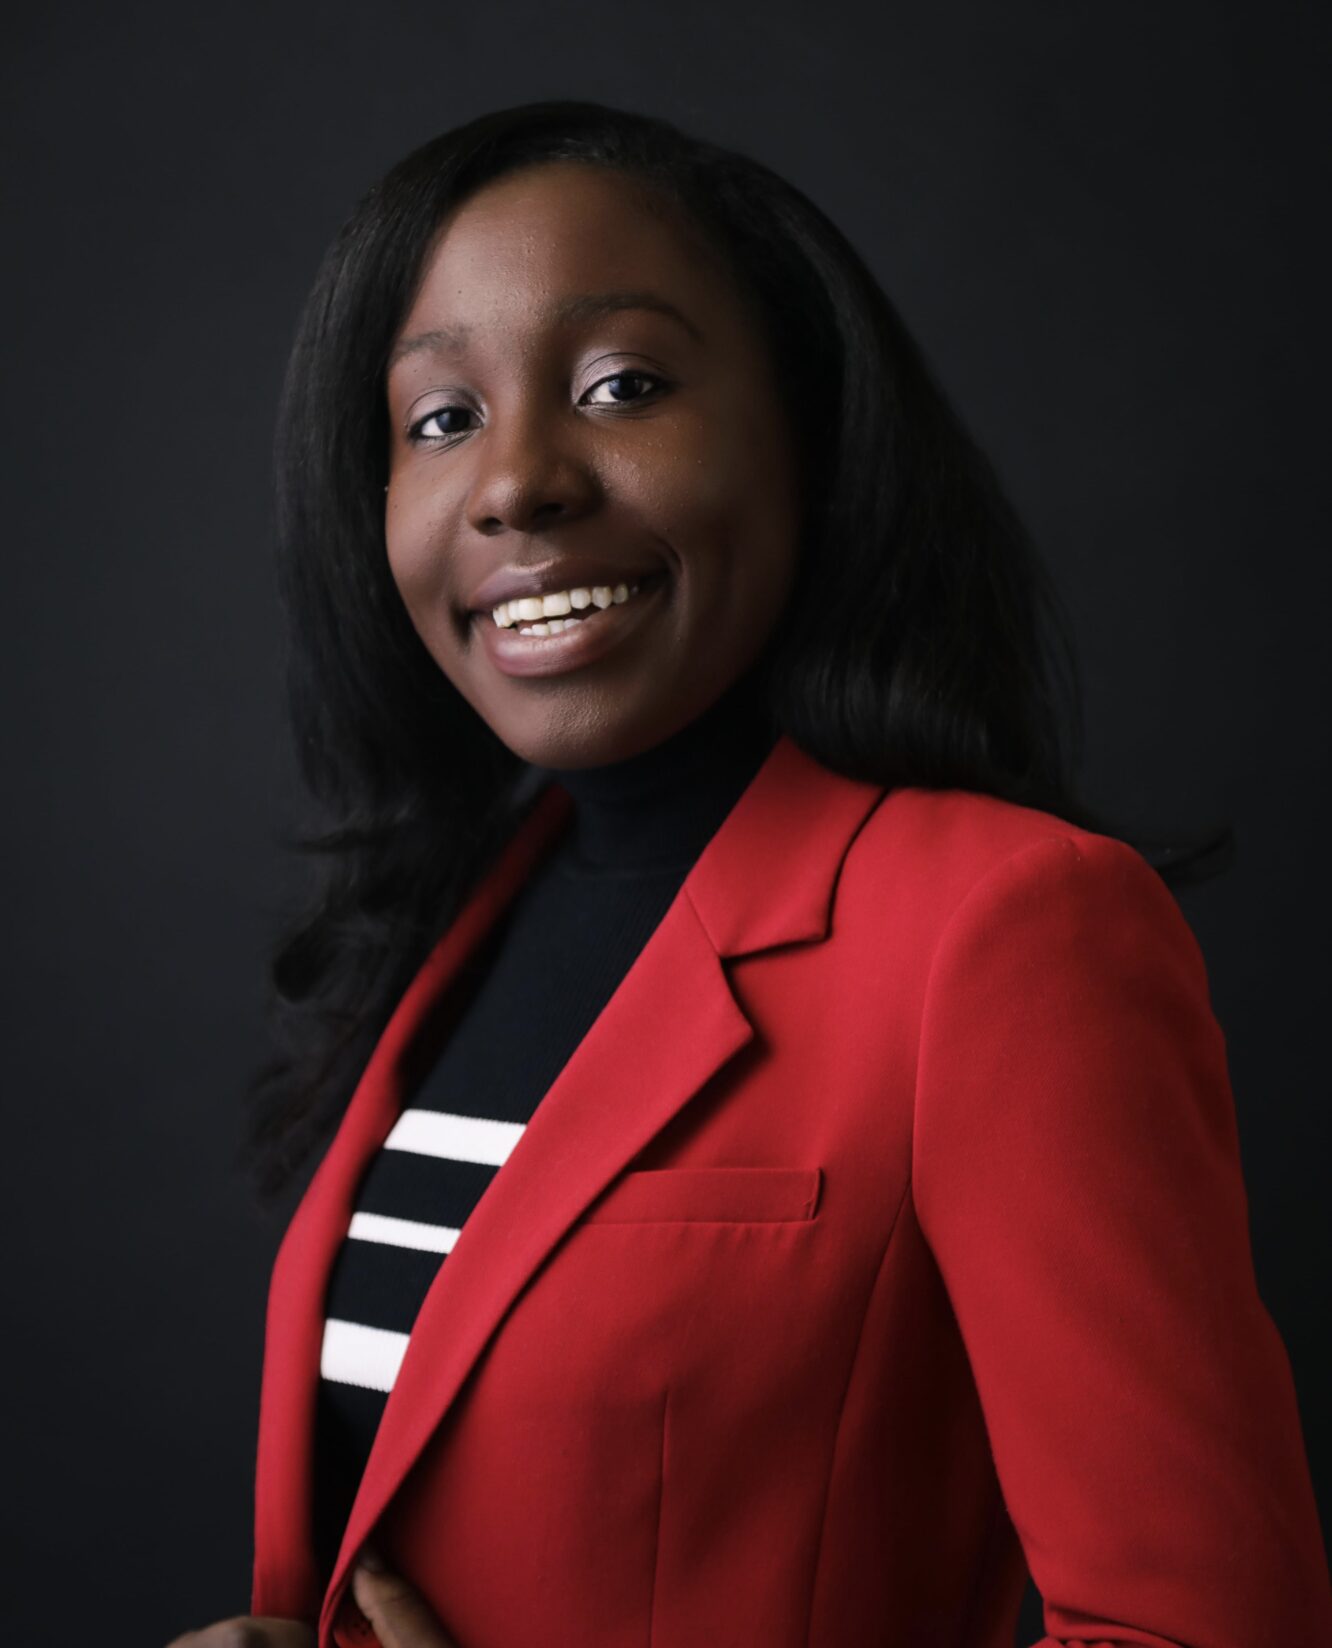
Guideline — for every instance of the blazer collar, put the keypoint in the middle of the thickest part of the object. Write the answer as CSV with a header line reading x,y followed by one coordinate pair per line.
x,y
766,878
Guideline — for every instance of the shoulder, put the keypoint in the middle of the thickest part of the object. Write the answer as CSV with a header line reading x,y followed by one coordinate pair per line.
x,y
945,843
955,864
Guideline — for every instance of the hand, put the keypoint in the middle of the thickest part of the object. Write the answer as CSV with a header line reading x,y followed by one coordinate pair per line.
x,y
399,1614
249,1631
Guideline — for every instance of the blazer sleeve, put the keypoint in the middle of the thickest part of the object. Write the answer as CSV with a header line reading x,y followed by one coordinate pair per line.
x,y
1076,1172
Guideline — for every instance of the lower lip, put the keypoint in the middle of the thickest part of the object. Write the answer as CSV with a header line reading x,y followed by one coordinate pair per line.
x,y
585,642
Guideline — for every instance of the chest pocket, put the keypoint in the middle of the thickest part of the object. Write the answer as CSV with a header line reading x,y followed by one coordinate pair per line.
x,y
727,1195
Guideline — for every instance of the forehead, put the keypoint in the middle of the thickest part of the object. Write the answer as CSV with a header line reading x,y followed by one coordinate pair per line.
x,y
524,242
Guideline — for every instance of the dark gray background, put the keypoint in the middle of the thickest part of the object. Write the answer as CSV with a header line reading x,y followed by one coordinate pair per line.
x,y
1106,224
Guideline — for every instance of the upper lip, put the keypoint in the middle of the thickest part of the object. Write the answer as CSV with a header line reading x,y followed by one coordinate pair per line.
x,y
569,572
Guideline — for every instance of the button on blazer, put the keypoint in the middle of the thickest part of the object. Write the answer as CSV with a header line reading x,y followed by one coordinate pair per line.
x,y
884,1239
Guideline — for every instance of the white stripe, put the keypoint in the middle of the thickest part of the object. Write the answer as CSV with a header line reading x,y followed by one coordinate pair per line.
x,y
457,1138
378,1227
357,1355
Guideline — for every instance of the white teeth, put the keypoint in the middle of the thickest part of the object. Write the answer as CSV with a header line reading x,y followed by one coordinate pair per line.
x,y
553,605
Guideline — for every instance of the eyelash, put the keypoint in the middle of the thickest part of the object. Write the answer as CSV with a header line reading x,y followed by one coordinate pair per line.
x,y
415,436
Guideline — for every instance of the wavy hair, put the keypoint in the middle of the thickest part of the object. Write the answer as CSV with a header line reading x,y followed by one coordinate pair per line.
x,y
936,653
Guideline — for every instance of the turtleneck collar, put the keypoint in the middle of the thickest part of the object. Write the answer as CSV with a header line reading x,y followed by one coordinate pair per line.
x,y
658,809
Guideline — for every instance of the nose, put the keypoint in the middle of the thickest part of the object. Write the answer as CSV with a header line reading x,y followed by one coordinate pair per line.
x,y
529,472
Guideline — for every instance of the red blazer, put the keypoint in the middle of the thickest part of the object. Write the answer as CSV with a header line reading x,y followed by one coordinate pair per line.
x,y
885,1235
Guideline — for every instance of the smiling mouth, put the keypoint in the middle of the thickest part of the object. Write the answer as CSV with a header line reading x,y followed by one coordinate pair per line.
x,y
559,643
602,599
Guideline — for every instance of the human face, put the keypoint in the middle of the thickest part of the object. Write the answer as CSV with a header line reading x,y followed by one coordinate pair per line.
x,y
536,446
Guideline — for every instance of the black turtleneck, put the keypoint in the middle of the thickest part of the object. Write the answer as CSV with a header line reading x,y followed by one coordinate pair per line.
x,y
658,809
543,978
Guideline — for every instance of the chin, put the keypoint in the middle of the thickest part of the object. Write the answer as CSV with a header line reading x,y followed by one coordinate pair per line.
x,y
571,745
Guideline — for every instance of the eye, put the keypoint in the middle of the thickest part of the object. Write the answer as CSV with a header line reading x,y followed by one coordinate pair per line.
x,y
625,377
418,431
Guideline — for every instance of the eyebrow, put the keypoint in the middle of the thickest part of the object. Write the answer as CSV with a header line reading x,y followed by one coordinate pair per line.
x,y
579,309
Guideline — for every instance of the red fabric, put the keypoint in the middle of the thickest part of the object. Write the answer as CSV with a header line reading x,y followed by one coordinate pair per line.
x,y
886,1234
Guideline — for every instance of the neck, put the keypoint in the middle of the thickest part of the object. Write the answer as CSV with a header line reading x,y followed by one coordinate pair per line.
x,y
659,808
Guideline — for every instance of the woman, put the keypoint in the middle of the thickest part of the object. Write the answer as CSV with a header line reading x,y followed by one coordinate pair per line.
x,y
785,1183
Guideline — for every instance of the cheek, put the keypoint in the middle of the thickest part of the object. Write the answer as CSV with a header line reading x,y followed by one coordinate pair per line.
x,y
740,533
718,499
415,571
735,483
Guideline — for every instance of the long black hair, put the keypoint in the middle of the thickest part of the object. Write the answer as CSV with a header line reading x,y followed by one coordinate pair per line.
x,y
935,654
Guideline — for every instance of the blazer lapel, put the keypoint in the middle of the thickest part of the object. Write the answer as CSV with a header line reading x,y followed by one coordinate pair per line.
x,y
286,1583
765,878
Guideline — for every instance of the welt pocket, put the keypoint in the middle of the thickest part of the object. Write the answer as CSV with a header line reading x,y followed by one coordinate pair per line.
x,y
731,1195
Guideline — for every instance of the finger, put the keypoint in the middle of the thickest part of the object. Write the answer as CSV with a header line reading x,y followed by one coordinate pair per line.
x,y
249,1631
400,1615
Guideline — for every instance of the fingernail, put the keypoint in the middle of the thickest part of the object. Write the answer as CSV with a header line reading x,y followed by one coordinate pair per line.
x,y
370,1560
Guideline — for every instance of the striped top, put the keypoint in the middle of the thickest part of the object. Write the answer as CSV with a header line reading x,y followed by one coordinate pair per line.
x,y
535,989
